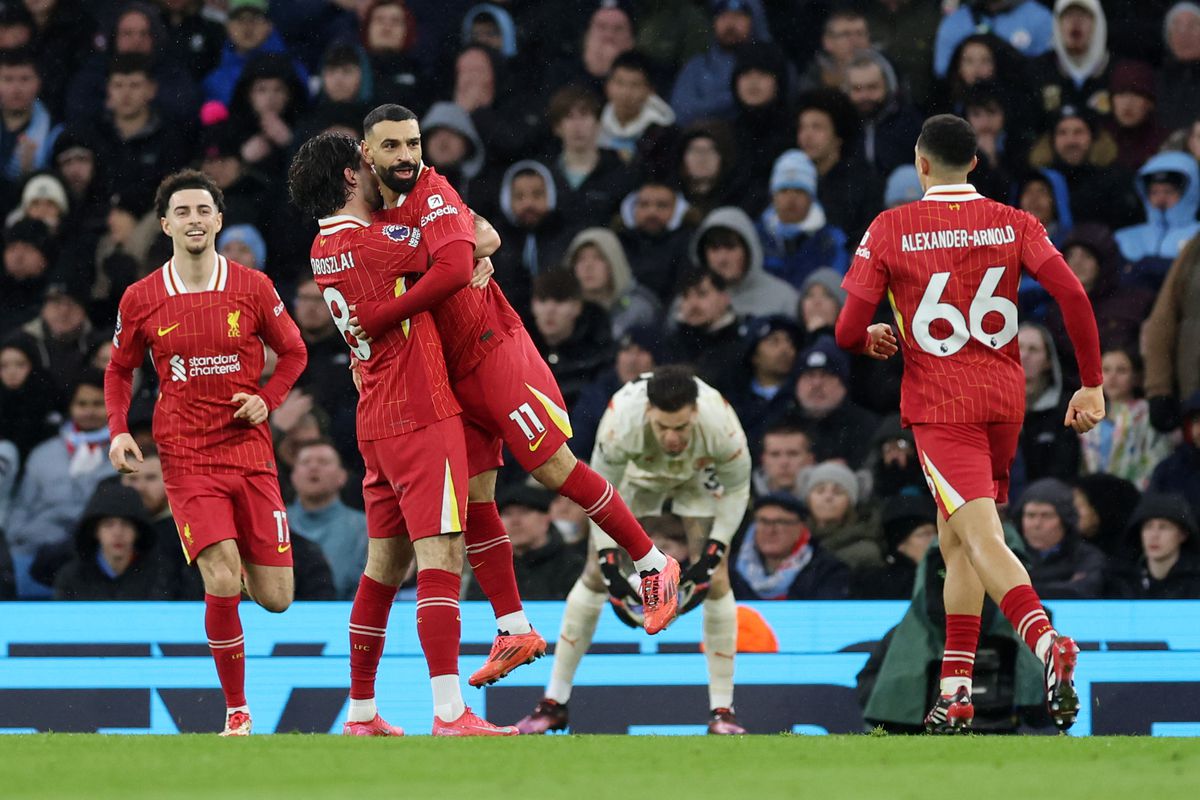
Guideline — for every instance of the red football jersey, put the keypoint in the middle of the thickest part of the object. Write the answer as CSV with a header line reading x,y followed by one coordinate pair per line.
x,y
950,264
206,347
471,322
404,383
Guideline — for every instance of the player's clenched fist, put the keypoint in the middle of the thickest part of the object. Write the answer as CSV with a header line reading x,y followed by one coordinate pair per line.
x,y
123,446
483,273
881,342
1085,410
253,408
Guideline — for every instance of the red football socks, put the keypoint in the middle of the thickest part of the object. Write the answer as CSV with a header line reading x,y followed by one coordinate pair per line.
x,y
958,659
606,508
224,629
438,623
1024,610
490,554
368,627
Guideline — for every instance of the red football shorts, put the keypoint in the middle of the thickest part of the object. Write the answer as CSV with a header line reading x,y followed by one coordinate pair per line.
x,y
511,398
967,460
211,508
416,483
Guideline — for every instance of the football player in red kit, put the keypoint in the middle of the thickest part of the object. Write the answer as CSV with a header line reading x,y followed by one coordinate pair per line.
x,y
949,265
204,320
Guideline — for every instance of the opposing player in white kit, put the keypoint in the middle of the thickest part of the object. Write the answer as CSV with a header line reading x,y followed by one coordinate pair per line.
x,y
667,435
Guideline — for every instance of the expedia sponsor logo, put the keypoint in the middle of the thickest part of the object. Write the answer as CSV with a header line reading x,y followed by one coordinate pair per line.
x,y
440,212
435,201
197,366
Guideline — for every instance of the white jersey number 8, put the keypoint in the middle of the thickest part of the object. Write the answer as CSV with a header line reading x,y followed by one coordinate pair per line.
x,y
932,308
340,310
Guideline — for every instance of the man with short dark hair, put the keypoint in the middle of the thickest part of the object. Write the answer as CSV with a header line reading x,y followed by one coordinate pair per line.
x,y
707,334
573,336
785,454
1062,565
590,174
780,560
655,235
704,87
27,132
635,120
759,393
728,244
846,31
888,121
250,31
320,515
1099,191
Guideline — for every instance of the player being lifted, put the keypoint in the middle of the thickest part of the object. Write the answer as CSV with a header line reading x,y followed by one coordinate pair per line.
x,y
408,422
204,320
949,264
664,436
509,397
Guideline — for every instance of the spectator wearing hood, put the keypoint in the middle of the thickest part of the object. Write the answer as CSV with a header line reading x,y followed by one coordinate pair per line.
x,y
760,390
786,454
889,125
507,116
704,86
895,468
840,428
596,258
831,493
1180,471
909,527
268,100
29,400
247,195
1104,504
243,244
707,334
1164,526
1134,121
1061,565
1085,156
62,332
74,163
28,131
728,244
60,476
1169,187
707,167
762,126
847,188
986,58
1047,447
573,336
1002,152
533,230
450,142
821,300
796,238
1124,443
389,34
137,28
655,235
1171,340
845,32
635,121
345,94
592,178
780,559
636,355
250,33
29,254
491,26
1179,76
1077,71
1044,193
1026,24
115,553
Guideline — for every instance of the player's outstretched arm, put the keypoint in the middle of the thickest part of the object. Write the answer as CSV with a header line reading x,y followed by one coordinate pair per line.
x,y
1086,408
856,334
451,270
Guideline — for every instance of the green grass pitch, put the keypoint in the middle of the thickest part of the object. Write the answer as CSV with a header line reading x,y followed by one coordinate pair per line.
x,y
581,767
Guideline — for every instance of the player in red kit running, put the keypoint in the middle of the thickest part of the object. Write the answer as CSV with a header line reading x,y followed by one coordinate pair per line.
x,y
949,264
204,320
409,426
509,397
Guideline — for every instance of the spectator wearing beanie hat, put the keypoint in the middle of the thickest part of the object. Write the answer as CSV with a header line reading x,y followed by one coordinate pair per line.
x,y
29,254
1163,528
840,429
795,235
779,559
43,199
821,300
760,392
1134,122
245,245
1061,564
903,186
762,127
831,492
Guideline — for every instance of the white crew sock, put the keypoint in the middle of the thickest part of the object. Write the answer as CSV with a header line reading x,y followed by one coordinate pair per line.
x,y
720,644
362,710
514,623
578,626
652,561
230,710
949,686
447,697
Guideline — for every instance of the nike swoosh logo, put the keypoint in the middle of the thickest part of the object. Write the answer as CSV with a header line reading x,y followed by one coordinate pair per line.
x,y
283,548
535,445
165,331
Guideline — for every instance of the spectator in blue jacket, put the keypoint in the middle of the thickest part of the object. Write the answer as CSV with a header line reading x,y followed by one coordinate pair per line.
x,y
795,236
704,87
1169,187
250,33
1025,24
1180,471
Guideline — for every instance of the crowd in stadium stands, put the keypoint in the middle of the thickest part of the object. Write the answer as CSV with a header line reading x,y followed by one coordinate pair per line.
x,y
673,181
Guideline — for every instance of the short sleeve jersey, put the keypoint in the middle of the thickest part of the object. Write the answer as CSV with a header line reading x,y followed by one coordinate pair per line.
x,y
206,346
404,383
625,437
472,322
949,265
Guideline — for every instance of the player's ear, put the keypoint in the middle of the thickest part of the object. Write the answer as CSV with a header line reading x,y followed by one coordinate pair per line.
x,y
162,223
974,164
220,222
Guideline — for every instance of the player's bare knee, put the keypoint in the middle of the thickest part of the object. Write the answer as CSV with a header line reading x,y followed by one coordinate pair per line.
x,y
444,552
591,577
276,601
482,487
554,473
220,569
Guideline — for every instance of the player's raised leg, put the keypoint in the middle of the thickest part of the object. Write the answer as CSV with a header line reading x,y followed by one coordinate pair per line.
x,y
963,596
